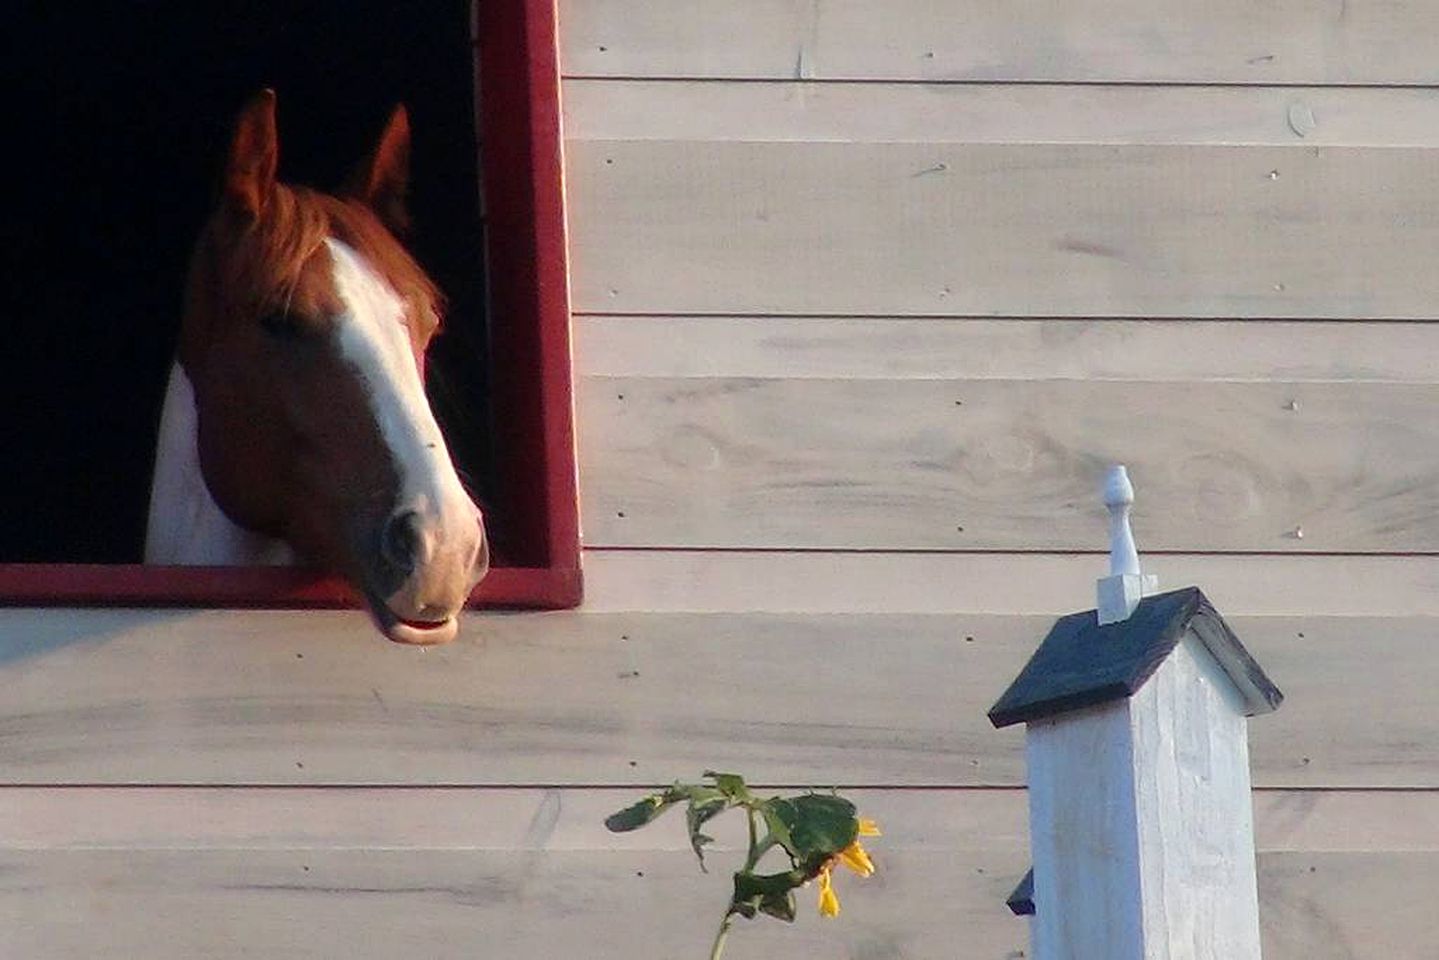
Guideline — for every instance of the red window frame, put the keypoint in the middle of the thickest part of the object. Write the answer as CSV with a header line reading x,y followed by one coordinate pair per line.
x,y
517,75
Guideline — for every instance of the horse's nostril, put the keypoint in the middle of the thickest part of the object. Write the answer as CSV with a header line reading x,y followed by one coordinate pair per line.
x,y
400,541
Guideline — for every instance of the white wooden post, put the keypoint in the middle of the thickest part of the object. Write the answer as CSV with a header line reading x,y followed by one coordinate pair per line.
x,y
1139,853
1141,824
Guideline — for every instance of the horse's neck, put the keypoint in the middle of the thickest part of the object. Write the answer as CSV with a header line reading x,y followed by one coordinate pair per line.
x,y
186,526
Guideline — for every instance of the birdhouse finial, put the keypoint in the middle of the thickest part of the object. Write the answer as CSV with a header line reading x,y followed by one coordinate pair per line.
x,y
1118,498
1120,592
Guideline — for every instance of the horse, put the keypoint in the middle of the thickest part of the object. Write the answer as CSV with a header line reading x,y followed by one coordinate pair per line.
x,y
295,427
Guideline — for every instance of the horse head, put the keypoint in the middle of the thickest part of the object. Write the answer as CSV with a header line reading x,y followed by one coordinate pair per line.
x,y
302,349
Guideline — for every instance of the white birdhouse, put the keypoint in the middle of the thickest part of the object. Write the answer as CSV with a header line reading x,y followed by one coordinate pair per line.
x,y
1141,823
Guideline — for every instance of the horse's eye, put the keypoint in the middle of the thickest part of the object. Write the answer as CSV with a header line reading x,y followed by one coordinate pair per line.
x,y
280,324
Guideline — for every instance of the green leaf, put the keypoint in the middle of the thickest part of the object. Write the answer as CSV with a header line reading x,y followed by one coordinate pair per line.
x,y
731,785
772,894
701,810
816,826
636,816
699,793
780,906
778,829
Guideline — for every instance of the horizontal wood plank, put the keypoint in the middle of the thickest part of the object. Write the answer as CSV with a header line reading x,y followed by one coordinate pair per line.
x,y
1345,906
1032,113
811,582
162,905
312,698
1007,465
177,905
993,230
568,819
1194,351
1230,41
308,873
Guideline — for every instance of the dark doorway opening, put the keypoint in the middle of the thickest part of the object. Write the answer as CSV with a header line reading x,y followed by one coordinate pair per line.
x,y
124,111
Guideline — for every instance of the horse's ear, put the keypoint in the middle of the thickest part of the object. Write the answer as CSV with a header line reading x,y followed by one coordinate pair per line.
x,y
254,154
382,181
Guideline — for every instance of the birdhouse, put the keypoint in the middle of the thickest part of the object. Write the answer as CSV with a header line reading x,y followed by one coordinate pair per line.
x,y
1141,824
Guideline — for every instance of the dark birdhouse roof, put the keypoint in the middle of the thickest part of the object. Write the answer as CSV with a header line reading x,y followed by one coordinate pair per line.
x,y
1081,663
1021,901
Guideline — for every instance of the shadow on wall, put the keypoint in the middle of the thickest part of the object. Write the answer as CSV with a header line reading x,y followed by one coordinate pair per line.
x,y
24,635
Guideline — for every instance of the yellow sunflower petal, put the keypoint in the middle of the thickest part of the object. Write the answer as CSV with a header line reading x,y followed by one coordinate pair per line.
x,y
854,857
868,828
828,902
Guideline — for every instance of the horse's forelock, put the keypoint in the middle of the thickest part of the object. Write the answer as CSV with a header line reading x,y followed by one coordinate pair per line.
x,y
247,267
295,228
265,266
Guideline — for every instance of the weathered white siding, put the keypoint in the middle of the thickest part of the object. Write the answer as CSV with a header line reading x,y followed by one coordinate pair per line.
x,y
866,297
869,296
1148,41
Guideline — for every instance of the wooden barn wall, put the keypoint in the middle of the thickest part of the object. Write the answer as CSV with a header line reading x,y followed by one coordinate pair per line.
x,y
866,296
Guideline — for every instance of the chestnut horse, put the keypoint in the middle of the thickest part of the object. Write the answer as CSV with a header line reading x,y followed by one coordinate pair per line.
x,y
295,427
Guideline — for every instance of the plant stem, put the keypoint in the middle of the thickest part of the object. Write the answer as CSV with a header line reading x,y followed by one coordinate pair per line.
x,y
720,936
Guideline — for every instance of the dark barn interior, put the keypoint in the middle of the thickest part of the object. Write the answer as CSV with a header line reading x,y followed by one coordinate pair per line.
x,y
119,116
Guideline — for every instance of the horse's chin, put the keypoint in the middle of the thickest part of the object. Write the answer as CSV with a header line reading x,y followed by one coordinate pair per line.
x,y
421,633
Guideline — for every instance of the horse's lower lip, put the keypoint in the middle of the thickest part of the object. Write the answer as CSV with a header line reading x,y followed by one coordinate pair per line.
x,y
423,624
422,632
402,630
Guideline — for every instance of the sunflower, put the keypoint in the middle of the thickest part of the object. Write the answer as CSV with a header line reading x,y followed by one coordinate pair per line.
x,y
852,856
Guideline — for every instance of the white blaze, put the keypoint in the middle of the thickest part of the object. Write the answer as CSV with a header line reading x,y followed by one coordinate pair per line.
x,y
373,338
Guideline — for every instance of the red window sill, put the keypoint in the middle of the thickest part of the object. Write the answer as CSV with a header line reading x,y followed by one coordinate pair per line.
x,y
121,585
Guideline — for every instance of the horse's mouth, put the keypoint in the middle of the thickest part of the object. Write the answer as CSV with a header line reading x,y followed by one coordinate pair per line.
x,y
424,632
417,632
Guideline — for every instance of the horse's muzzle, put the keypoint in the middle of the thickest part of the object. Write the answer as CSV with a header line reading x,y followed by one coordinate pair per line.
x,y
431,564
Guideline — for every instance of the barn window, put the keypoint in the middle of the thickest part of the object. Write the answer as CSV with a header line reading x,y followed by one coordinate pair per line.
x,y
125,112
